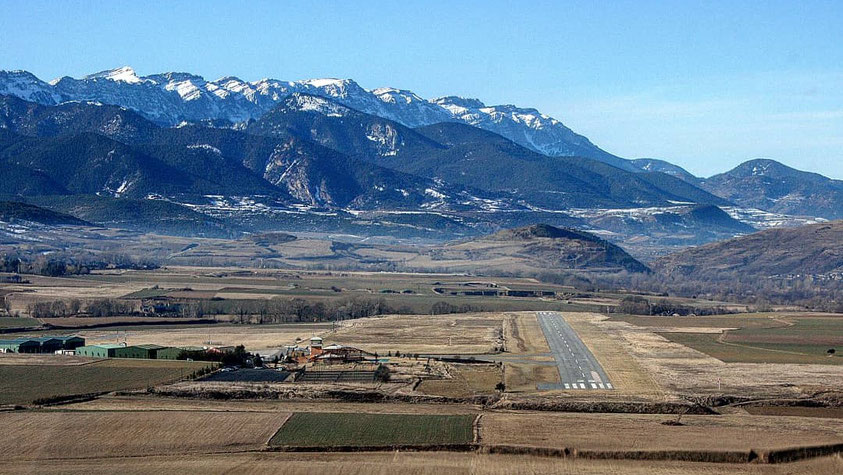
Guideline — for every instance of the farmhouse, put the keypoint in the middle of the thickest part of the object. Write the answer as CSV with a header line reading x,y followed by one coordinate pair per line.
x,y
335,354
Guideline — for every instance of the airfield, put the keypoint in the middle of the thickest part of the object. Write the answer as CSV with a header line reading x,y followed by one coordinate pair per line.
x,y
486,386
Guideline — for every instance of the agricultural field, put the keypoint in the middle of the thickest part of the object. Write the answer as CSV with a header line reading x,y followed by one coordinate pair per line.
x,y
254,337
380,463
414,293
26,383
628,432
682,355
465,380
754,338
18,322
731,350
312,429
77,434
469,333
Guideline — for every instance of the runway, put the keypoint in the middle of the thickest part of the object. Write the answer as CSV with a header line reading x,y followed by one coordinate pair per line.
x,y
578,368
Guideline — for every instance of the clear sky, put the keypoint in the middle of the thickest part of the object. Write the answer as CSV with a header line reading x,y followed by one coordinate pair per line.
x,y
705,85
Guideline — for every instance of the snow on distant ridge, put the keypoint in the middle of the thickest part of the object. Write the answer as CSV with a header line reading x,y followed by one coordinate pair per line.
x,y
172,98
125,74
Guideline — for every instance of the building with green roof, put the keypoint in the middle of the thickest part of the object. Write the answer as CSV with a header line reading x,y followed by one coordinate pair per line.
x,y
99,351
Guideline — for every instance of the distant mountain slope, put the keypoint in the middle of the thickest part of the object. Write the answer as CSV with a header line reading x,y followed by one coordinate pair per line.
x,y
11,211
490,161
338,127
37,120
170,98
155,216
233,162
89,163
772,186
21,181
813,249
456,153
541,247
656,165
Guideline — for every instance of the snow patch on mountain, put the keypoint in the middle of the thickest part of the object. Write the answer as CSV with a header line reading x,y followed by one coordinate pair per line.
x,y
125,74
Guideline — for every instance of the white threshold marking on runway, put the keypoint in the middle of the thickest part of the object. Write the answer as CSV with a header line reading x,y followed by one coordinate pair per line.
x,y
601,386
593,386
567,386
609,386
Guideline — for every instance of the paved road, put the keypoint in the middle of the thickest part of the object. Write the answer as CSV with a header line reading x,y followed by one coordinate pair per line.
x,y
578,368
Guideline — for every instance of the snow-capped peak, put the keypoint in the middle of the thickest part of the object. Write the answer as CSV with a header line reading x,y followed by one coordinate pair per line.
x,y
306,102
326,82
395,96
465,102
125,74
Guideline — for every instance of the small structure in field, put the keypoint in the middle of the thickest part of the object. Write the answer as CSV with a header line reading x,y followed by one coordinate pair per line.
x,y
315,347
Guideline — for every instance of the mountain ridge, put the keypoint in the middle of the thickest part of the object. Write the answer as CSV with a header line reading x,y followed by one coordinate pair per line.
x,y
171,98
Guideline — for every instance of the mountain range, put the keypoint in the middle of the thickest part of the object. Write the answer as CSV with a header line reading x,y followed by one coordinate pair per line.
x,y
326,155
171,98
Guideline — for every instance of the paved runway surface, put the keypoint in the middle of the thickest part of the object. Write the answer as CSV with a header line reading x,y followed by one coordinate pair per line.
x,y
578,368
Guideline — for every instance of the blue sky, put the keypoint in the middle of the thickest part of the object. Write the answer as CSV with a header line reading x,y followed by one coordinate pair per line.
x,y
705,85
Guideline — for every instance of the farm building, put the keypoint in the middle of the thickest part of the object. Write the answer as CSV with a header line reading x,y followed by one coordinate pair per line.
x,y
145,352
43,344
334,354
48,344
70,342
99,351
169,353
19,345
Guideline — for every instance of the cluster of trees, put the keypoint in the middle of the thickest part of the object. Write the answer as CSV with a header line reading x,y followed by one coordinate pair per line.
x,y
441,308
812,294
41,265
67,308
282,310
637,305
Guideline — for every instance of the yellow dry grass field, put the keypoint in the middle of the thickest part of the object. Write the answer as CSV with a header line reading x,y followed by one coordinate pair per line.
x,y
34,359
409,463
58,435
153,403
523,377
679,369
470,333
523,334
646,432
465,380
254,337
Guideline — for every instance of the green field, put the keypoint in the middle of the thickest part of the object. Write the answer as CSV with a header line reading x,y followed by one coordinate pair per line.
x,y
23,384
17,322
738,320
309,429
740,352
